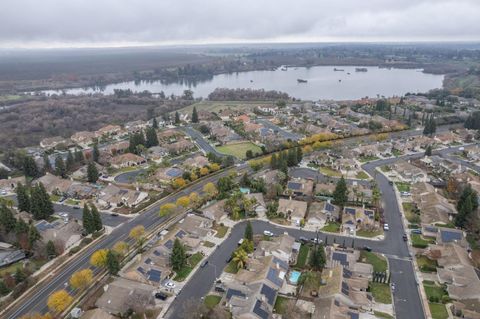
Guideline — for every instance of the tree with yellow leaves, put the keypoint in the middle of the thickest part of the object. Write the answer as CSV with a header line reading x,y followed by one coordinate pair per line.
x,y
81,279
179,182
59,301
183,201
193,176
194,199
214,167
99,258
210,189
204,171
36,315
167,208
307,149
120,248
137,232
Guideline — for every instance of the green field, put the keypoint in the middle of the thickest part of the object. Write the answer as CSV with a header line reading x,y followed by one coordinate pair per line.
x,y
380,292
379,263
419,242
239,149
362,175
212,300
302,256
331,227
438,310
218,106
426,265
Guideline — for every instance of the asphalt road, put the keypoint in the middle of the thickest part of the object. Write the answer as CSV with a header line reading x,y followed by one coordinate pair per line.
x,y
128,177
200,140
149,219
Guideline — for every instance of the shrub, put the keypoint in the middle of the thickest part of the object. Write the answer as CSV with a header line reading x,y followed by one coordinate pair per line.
x,y
74,250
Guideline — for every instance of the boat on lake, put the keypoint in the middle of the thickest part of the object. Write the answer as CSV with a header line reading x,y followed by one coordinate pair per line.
x,y
301,81
361,70
338,70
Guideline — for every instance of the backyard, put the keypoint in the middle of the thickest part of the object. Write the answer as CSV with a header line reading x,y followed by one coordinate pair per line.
x,y
239,150
302,256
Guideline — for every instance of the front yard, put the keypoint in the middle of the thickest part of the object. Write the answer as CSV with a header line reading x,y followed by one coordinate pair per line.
x,y
426,265
329,172
438,310
435,292
239,150
332,227
212,300
378,262
362,175
381,292
221,231
192,261
402,186
418,241
369,233
368,158
411,213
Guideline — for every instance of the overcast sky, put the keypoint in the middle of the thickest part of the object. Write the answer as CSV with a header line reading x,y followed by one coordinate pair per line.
x,y
52,23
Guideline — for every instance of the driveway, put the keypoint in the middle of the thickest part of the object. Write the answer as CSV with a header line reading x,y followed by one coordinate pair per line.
x,y
128,177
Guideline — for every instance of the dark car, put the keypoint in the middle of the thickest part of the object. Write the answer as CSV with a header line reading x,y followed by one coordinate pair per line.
x,y
303,239
405,238
390,182
76,207
114,214
229,259
203,264
161,296
367,248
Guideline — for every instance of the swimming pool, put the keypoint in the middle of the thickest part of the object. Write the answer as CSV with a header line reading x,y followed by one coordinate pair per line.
x,y
294,275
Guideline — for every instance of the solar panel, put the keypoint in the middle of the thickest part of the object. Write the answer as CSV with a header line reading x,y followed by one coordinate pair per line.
x,y
148,261
157,253
272,275
43,225
353,315
281,263
259,311
234,292
269,293
369,213
169,244
294,185
347,273
174,172
342,258
180,234
141,270
350,211
329,207
449,236
154,275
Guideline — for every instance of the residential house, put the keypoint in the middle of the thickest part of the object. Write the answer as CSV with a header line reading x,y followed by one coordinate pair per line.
x,y
81,173
10,255
62,233
260,207
115,196
152,268
324,189
180,146
117,148
354,218
409,173
108,131
54,184
83,138
167,174
196,226
157,153
215,211
52,142
293,210
136,126
127,160
319,213
300,187
283,247
10,184
198,161
434,208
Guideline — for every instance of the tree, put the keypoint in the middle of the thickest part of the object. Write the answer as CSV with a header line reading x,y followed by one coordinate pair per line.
x,y
195,199
138,234
51,251
428,150
92,172
167,208
249,154
466,206
177,118
204,171
7,219
87,220
60,169
113,263
155,123
210,189
178,258
340,194
95,153
41,206
317,257
81,279
179,182
473,121
30,168
151,137
240,258
99,258
248,232
79,158
47,167
70,163
214,167
135,142
194,115
183,201
96,219
59,301
33,235
376,194
121,248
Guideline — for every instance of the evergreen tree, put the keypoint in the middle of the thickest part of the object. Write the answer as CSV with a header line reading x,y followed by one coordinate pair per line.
x,y
79,158
23,198
30,167
135,140
95,153
92,172
87,220
51,252
466,206
47,167
113,264
33,235
178,258
60,169
7,219
151,137
70,163
177,118
96,219
21,227
428,150
292,157
41,205
340,194
155,123
19,275
317,258
248,235
299,154
194,115
273,161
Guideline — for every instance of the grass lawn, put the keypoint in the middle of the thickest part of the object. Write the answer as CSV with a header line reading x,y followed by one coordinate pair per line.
x,y
72,202
378,262
365,159
403,187
209,244
332,227
408,209
368,233
397,152
419,242
239,149
362,175
426,265
212,300
217,106
302,256
329,171
434,291
385,168
381,292
280,304
382,315
54,198
231,268
192,261
438,310
221,231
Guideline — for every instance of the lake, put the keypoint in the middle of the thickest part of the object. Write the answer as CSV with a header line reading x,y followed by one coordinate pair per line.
x,y
322,83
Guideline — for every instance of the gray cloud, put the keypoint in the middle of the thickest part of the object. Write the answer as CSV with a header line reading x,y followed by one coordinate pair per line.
x,y
120,22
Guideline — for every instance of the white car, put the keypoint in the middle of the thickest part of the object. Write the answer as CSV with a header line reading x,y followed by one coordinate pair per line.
x,y
385,227
3,192
268,233
170,284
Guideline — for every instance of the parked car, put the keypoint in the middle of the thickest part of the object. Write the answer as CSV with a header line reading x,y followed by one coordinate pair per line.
x,y
303,239
114,214
76,207
386,227
367,248
204,263
170,284
161,296
316,240
268,233
240,242
405,237
229,259
390,182
416,231
3,192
